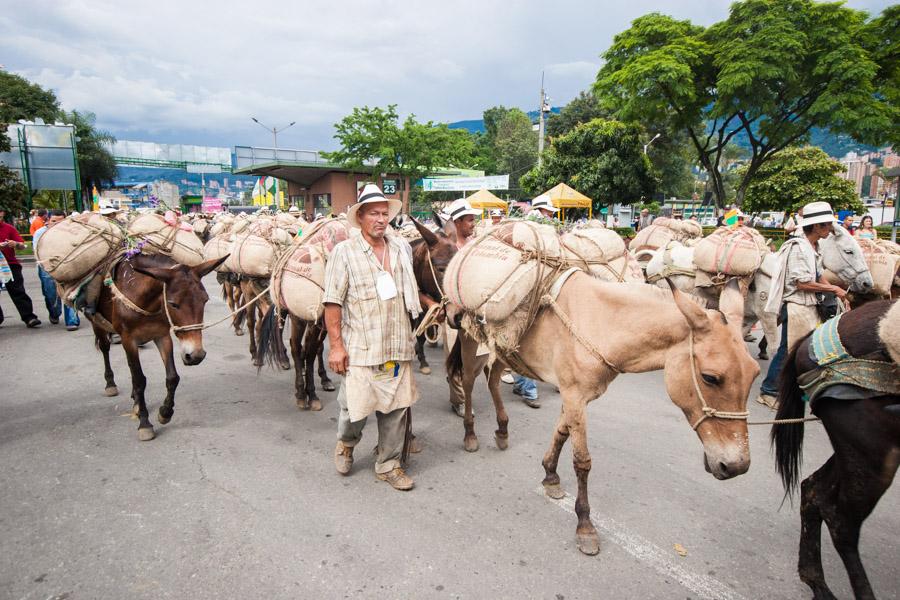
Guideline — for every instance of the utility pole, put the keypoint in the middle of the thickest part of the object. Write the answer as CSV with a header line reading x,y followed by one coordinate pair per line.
x,y
543,107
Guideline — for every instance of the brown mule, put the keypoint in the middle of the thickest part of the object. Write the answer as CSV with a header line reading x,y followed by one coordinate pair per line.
x,y
133,306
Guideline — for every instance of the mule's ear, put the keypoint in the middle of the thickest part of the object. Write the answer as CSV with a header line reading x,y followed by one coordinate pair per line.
x,y
164,274
428,235
450,229
731,303
695,315
437,219
206,267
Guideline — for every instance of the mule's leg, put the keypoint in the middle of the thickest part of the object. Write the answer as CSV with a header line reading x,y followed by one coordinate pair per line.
x,y
586,534
280,349
298,328
252,333
501,436
310,351
326,382
138,385
813,490
237,299
103,344
424,368
166,351
471,368
551,458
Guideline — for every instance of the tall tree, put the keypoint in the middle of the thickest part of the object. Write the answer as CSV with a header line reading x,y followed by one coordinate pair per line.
x,y
96,166
769,73
602,159
795,176
515,146
372,140
583,108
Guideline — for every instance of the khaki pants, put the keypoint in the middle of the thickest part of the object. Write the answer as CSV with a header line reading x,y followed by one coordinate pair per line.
x,y
801,321
391,433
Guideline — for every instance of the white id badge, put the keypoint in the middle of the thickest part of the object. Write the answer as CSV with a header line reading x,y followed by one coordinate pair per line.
x,y
385,286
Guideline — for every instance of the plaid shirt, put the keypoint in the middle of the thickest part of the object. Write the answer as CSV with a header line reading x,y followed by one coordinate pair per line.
x,y
374,331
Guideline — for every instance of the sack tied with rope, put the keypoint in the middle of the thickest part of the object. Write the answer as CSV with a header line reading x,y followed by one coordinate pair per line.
x,y
727,251
602,253
664,230
71,249
255,250
161,237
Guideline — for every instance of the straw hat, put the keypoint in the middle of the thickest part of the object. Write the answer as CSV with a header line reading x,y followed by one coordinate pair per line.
x,y
816,212
294,209
369,194
107,209
459,208
496,213
543,201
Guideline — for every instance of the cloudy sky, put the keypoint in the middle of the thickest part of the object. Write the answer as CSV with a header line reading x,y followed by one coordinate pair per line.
x,y
195,71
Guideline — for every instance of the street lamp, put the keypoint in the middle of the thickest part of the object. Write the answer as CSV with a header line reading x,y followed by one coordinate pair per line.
x,y
274,131
647,145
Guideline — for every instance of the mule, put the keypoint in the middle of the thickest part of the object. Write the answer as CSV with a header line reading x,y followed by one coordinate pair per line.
x,y
595,330
866,442
251,287
151,297
231,294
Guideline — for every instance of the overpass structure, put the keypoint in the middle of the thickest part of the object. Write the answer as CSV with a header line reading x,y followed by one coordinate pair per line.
x,y
194,159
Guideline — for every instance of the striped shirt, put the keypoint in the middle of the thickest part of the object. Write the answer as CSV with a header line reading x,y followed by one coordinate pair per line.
x,y
374,331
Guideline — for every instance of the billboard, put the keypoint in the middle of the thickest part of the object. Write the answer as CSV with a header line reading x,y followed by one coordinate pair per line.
x,y
465,184
43,155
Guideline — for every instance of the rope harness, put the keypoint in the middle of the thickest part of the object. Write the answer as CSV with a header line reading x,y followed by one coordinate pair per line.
x,y
430,317
175,329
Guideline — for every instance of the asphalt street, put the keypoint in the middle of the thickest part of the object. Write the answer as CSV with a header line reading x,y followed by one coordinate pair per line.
x,y
238,498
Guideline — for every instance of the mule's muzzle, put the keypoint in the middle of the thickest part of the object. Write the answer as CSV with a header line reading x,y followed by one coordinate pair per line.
x,y
725,468
863,283
194,357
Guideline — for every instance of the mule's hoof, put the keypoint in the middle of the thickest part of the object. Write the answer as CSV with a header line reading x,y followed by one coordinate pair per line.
x,y
315,405
145,434
502,442
425,370
763,356
285,366
471,444
554,490
328,386
238,332
162,418
111,391
302,404
588,543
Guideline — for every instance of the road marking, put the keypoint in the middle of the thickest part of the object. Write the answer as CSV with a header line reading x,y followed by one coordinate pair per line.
x,y
652,555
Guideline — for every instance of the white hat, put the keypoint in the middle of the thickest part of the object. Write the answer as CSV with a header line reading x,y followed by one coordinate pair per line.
x,y
459,208
107,209
543,201
496,213
74,213
816,212
294,209
369,194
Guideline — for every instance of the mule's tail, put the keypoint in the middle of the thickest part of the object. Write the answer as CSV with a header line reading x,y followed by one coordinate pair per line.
x,y
267,344
787,439
454,361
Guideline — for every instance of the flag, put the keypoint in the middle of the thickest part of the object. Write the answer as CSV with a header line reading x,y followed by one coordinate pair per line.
x,y
259,194
95,195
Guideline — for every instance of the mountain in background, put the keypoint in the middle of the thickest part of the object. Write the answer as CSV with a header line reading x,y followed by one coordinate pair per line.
x,y
835,145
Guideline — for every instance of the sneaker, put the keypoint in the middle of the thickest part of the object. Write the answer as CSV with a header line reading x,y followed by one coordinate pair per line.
x,y
71,327
507,377
54,320
343,458
31,324
397,478
532,402
768,400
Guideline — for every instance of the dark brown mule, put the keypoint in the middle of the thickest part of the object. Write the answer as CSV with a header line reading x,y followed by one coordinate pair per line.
x,y
866,442
231,294
251,287
133,306
307,342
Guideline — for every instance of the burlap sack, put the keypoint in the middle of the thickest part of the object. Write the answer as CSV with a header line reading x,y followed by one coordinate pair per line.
x,y
602,253
201,226
494,274
69,250
218,247
298,277
737,251
883,264
662,231
161,238
255,249
285,219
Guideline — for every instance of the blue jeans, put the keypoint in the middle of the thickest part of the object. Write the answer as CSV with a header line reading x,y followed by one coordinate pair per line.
x,y
55,307
524,386
770,383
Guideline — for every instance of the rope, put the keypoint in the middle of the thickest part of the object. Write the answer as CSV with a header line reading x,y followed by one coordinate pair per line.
x,y
708,411
547,300
783,421
201,326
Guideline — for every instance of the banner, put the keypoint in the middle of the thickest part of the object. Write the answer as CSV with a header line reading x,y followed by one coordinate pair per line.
x,y
465,184
211,205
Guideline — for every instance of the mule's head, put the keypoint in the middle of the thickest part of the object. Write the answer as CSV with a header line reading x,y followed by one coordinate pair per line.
x,y
714,360
842,256
440,248
185,300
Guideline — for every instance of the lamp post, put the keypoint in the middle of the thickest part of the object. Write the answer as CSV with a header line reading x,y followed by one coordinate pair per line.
x,y
647,145
274,130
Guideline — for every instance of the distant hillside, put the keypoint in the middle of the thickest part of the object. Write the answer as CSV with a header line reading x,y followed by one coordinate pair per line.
x,y
833,144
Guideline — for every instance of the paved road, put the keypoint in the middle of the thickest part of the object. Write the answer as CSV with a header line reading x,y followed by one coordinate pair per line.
x,y
237,497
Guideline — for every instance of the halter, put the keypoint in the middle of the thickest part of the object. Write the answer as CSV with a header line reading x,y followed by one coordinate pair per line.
x,y
430,317
708,411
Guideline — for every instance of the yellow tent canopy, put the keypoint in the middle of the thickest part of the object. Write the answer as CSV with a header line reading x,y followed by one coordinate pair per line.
x,y
483,200
565,197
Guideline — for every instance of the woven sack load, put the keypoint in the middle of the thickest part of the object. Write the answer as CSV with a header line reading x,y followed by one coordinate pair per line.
x,y
69,250
737,251
298,277
201,226
285,219
673,259
604,253
254,251
221,224
218,247
161,238
494,274
883,264
664,230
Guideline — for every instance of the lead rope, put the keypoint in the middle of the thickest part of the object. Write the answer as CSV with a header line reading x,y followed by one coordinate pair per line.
x,y
708,411
200,326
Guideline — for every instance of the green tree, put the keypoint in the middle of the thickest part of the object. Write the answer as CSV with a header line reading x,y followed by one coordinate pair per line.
x,y
96,166
372,140
602,159
583,108
768,74
884,32
798,176
515,145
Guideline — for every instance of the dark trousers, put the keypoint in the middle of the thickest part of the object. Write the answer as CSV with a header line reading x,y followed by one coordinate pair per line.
x,y
16,291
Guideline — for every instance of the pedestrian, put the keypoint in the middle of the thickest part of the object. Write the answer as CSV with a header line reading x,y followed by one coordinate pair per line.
x,y
848,225
55,306
543,206
795,289
39,220
866,229
790,226
9,241
370,293
645,219
496,216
